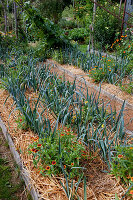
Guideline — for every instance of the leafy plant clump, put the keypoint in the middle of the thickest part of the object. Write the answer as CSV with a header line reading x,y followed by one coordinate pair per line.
x,y
127,87
106,26
122,164
62,150
78,34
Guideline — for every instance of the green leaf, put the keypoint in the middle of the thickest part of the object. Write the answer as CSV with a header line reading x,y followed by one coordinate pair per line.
x,y
116,197
85,192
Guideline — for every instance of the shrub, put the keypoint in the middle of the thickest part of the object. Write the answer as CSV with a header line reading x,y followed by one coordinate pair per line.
x,y
106,26
78,34
68,12
6,41
124,47
58,56
67,24
40,50
98,74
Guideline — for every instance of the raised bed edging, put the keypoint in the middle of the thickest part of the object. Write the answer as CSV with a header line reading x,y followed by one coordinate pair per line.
x,y
23,171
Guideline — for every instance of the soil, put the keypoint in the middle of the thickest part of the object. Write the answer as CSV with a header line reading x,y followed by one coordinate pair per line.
x,y
71,72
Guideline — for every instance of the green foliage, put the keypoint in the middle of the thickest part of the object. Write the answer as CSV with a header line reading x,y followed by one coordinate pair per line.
x,y
64,148
122,164
106,26
68,12
124,48
52,32
127,87
2,70
6,43
7,189
116,197
87,114
98,74
83,48
40,50
21,122
52,9
57,55
83,12
67,24
78,34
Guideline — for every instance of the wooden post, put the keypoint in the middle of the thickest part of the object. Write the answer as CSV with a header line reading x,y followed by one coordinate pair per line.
x,y
128,11
123,17
120,7
5,19
128,8
16,21
5,15
94,15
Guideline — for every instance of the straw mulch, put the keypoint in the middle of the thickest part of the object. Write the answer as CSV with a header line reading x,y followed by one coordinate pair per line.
x,y
100,185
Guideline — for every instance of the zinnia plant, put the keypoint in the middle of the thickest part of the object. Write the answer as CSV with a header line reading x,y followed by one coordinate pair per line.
x,y
122,164
65,149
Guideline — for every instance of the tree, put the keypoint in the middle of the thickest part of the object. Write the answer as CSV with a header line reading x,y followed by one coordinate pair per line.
x,y
3,3
53,34
52,9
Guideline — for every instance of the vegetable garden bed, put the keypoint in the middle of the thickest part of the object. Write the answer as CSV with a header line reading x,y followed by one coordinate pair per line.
x,y
26,97
100,185
74,138
108,92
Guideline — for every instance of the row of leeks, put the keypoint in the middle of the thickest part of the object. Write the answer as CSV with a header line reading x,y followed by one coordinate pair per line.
x,y
119,66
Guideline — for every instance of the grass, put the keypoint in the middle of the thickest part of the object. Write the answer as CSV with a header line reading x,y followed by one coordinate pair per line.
x,y
8,190
6,144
